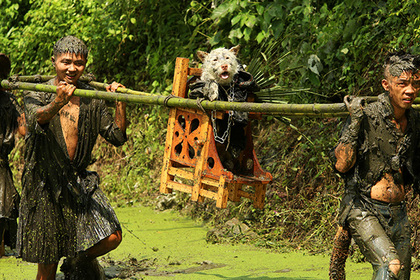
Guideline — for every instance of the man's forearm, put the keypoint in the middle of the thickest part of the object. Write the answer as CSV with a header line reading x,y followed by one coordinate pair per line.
x,y
47,112
120,115
346,157
22,125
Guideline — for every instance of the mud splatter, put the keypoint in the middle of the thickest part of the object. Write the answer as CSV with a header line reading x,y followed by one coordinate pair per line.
x,y
70,44
399,64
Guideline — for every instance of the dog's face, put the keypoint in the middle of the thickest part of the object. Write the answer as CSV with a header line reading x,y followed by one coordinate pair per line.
x,y
219,65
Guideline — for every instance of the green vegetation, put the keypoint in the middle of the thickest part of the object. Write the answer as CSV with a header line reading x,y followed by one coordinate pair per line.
x,y
164,245
331,47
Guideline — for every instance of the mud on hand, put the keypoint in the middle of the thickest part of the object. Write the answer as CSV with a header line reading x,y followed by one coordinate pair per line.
x,y
355,105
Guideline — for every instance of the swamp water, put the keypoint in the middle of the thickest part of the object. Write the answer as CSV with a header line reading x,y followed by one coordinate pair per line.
x,y
164,245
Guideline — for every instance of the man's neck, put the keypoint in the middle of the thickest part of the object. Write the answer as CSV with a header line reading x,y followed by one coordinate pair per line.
x,y
399,114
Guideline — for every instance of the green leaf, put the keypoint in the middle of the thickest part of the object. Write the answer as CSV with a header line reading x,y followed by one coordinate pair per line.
x,y
261,36
314,79
235,33
260,9
250,21
236,19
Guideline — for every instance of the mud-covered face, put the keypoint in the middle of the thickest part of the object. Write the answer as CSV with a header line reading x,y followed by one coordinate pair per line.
x,y
69,67
403,89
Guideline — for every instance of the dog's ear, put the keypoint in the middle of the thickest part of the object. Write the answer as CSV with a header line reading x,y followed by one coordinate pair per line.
x,y
235,49
202,55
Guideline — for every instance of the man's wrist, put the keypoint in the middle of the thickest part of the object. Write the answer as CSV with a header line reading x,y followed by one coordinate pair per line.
x,y
59,103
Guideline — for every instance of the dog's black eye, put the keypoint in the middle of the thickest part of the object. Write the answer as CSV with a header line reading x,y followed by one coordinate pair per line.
x,y
215,59
227,57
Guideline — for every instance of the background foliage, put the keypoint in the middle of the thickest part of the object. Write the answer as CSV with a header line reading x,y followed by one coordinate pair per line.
x,y
332,47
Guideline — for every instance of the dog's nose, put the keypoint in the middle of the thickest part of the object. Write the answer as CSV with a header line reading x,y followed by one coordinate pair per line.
x,y
224,67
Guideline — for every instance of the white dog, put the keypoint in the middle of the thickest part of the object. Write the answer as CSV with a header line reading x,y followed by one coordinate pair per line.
x,y
219,67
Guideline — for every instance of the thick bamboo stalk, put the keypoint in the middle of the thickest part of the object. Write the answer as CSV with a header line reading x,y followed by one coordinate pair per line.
x,y
86,79
297,110
313,110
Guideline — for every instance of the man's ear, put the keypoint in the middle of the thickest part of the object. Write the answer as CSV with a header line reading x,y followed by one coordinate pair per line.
x,y
53,60
385,84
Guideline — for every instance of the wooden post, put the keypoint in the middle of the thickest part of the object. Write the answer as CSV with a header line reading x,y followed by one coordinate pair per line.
x,y
179,89
260,190
222,194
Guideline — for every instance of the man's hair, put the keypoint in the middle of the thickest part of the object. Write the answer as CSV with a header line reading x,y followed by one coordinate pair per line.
x,y
70,44
4,66
398,62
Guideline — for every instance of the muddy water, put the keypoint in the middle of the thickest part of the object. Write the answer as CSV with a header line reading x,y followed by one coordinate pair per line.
x,y
164,245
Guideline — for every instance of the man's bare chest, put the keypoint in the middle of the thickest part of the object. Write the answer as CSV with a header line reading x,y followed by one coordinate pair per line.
x,y
69,119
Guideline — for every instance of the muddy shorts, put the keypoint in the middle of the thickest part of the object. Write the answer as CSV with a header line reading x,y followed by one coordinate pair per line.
x,y
377,246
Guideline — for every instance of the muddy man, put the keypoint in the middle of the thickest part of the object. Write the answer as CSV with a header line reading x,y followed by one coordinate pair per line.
x,y
63,211
376,156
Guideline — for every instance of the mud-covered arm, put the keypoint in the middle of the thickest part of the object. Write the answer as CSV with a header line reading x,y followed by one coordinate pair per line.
x,y
21,124
345,155
46,113
41,107
109,128
114,131
120,108
346,150
120,115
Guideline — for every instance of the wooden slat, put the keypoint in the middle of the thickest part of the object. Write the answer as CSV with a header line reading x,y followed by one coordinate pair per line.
x,y
208,194
180,172
194,72
242,193
179,187
222,194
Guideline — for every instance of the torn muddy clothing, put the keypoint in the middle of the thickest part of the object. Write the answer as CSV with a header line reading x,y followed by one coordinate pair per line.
x,y
63,211
10,111
381,148
229,131
378,246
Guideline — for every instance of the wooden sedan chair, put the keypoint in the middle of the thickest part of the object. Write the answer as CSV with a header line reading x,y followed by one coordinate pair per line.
x,y
191,163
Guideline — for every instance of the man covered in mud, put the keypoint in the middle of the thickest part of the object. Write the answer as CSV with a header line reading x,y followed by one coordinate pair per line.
x,y
63,212
12,120
375,155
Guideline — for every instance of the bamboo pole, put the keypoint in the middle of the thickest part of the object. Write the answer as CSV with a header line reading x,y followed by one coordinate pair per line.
x,y
295,110
86,79
312,110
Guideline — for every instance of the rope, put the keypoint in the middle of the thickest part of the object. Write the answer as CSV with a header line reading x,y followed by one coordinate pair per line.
x,y
165,101
199,100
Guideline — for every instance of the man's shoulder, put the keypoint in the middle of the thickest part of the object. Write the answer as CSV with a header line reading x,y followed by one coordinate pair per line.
x,y
380,107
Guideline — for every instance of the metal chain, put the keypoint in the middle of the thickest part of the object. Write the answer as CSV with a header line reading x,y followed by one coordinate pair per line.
x,y
226,134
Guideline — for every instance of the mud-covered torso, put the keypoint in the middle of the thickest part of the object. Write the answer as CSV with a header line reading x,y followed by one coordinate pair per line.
x,y
383,148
